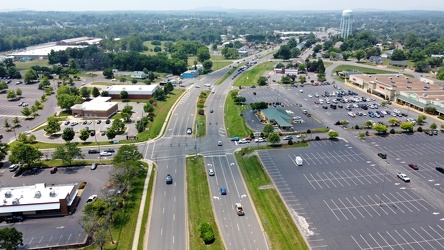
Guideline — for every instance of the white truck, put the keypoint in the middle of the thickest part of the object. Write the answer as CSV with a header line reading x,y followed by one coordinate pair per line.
x,y
239,209
299,160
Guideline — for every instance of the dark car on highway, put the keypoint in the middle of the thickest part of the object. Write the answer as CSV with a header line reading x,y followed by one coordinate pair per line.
x,y
169,179
93,151
53,170
109,150
14,218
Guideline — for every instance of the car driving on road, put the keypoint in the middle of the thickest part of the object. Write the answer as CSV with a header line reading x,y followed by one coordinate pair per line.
x,y
169,179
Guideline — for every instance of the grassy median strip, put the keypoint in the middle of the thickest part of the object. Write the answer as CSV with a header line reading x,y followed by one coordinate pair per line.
x,y
250,77
225,77
147,209
201,118
277,222
199,204
234,122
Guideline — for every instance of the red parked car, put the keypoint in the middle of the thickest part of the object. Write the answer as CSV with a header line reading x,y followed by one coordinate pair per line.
x,y
414,166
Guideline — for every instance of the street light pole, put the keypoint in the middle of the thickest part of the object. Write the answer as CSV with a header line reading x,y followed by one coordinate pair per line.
x,y
383,183
98,145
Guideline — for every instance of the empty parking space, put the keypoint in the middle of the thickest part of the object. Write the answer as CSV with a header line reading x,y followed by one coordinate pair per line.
x,y
424,237
341,186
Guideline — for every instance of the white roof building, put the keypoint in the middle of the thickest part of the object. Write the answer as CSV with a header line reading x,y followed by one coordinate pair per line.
x,y
37,197
132,89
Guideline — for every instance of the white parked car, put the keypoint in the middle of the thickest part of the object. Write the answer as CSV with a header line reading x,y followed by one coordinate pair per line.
x,y
310,96
403,177
243,141
106,154
92,198
351,114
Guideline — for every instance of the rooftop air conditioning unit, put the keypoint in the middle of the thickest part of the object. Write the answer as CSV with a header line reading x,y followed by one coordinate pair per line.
x,y
37,194
52,194
8,194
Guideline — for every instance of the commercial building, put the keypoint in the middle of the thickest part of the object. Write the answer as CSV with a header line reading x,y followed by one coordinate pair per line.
x,y
38,199
80,40
134,91
39,53
277,116
346,23
99,107
418,94
139,75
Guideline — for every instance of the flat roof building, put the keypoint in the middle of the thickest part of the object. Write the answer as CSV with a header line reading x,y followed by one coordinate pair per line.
x,y
418,94
134,91
37,199
99,107
39,52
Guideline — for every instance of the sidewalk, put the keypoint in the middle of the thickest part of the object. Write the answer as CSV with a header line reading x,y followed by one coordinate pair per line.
x,y
142,207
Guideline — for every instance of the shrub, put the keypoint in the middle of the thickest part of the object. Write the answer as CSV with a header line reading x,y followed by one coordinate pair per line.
x,y
206,232
201,112
419,129
392,131
290,142
361,135
317,138
357,127
308,131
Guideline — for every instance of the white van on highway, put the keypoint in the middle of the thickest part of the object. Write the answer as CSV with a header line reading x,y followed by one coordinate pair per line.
x,y
299,160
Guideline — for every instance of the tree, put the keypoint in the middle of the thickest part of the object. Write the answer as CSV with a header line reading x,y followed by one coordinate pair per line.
x,y
111,133
95,92
207,65
31,138
30,75
84,92
3,86
68,134
333,134
26,112
118,125
380,128
53,125
433,126
11,95
268,129
3,150
262,81
398,55
368,124
359,54
203,54
18,91
24,155
84,135
274,138
407,126
421,119
127,153
10,238
259,105
126,113
6,123
286,80
22,137
148,108
108,73
66,101
393,121
68,152
16,121
124,95
206,232
159,95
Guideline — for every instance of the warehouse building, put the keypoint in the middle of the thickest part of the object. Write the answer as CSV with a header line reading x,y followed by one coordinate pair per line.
x,y
38,199
99,107
134,91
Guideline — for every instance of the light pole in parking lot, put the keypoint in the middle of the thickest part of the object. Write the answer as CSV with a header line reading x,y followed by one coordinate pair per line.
x,y
95,137
383,182
311,131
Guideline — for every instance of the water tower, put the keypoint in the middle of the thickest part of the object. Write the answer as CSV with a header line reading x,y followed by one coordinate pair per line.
x,y
346,23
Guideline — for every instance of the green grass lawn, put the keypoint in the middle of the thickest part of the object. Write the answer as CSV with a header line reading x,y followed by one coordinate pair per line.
x,y
199,204
278,224
220,64
140,245
362,69
28,64
234,123
151,47
251,76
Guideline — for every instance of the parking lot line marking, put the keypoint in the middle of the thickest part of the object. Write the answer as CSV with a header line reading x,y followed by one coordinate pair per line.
x,y
344,179
427,241
316,181
397,202
49,240
417,200
356,208
369,175
332,210
339,209
414,240
379,246
334,177
376,203
69,237
406,242
356,177
397,243
59,239
309,182
356,242
388,204
346,156
366,242
409,203
349,178
29,243
316,158
364,207
387,244
362,176
320,178
334,157
442,247
348,208
323,158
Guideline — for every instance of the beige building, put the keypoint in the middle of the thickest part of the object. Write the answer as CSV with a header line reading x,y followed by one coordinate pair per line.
x,y
418,94
99,107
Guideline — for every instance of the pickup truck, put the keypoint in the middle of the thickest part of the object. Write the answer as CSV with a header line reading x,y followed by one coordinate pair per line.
x,y
239,209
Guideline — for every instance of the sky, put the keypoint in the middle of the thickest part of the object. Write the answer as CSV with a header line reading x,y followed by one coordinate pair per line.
x,y
101,5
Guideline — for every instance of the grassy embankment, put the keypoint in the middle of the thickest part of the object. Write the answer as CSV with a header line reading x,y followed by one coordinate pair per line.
x,y
199,204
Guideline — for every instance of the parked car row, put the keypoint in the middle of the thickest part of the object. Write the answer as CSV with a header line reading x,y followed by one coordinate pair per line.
x,y
86,122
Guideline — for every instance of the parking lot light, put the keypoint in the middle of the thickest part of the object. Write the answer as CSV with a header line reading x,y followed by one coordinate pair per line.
x,y
383,182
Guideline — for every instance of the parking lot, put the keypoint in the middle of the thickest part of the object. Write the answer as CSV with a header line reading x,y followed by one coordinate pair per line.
x,y
57,231
347,198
